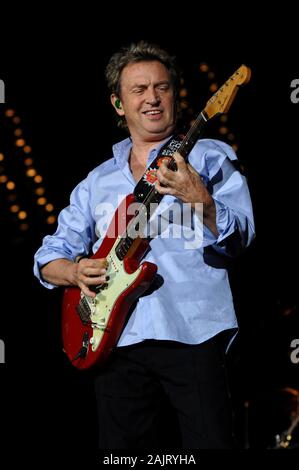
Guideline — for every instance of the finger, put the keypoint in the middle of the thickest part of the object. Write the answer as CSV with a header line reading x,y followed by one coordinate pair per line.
x,y
163,179
87,291
163,189
165,171
179,160
93,281
86,271
94,263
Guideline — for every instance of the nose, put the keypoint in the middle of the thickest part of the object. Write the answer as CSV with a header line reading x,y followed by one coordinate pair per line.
x,y
152,97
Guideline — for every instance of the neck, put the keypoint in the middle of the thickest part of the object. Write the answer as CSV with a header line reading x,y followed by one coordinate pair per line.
x,y
140,150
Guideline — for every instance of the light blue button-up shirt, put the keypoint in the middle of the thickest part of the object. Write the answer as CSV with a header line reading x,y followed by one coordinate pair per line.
x,y
190,301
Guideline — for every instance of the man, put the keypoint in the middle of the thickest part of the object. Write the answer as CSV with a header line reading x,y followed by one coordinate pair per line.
x,y
173,343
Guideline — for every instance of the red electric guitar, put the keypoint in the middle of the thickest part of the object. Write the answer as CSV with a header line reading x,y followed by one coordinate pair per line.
x,y
91,326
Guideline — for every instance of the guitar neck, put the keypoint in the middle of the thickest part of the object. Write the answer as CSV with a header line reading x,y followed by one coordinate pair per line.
x,y
193,135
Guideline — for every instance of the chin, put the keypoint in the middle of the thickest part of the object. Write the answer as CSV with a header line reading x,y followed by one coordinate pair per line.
x,y
166,129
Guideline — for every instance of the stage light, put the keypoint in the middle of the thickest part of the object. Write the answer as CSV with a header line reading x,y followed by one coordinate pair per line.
x,y
27,149
15,208
9,113
22,215
28,161
223,130
51,219
183,92
20,142
204,67
41,201
40,191
213,87
10,185
31,172
49,207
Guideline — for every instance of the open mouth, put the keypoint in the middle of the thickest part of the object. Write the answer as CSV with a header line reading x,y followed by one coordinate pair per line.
x,y
152,112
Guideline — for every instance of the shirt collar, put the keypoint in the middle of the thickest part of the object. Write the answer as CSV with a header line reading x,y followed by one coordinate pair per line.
x,y
121,151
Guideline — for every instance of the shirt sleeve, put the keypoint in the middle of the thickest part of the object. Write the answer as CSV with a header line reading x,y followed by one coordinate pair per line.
x,y
74,236
229,189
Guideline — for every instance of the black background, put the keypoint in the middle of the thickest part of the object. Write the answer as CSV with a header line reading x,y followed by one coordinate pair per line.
x,y
53,68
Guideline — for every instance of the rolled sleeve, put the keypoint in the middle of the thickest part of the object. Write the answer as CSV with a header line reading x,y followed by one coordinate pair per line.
x,y
74,235
229,189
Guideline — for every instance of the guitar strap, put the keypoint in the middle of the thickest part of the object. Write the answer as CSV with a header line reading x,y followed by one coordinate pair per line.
x,y
147,181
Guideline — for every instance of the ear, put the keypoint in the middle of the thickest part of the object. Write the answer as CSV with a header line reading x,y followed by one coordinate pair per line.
x,y
119,110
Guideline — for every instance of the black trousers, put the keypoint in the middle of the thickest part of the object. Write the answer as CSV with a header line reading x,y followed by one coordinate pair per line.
x,y
133,387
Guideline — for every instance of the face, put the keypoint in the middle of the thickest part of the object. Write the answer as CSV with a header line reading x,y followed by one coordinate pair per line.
x,y
147,101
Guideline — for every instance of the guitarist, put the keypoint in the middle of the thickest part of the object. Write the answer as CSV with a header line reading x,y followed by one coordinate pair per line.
x,y
174,341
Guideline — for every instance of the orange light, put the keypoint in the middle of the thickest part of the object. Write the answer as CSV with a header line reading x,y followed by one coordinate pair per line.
x,y
18,132
31,172
10,185
51,219
3,179
40,191
15,208
211,75
38,179
22,215
24,227
1,157
41,201
235,147
213,87
203,67
27,149
20,142
183,92
9,112
16,120
28,161
223,130
49,207
183,104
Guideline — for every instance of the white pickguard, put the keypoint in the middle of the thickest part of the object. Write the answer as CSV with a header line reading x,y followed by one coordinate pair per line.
x,y
101,306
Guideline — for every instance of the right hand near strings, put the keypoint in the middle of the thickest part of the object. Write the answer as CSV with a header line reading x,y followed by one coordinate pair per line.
x,y
91,273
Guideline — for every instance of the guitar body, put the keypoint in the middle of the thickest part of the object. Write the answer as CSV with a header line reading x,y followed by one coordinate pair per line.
x,y
95,324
